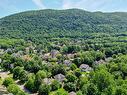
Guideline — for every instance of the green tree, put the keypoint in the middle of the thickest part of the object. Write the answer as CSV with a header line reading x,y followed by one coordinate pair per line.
x,y
102,79
40,75
57,69
79,93
78,72
44,89
121,90
30,85
55,85
78,61
13,88
92,89
71,77
61,92
23,76
69,86
8,81
16,72
73,66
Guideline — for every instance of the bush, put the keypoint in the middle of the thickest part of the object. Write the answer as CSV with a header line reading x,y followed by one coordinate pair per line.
x,y
121,90
13,88
55,85
78,72
70,86
92,89
53,60
30,85
57,69
78,61
61,92
79,93
23,76
71,78
103,79
83,80
39,78
44,89
21,93
73,66
8,81
16,72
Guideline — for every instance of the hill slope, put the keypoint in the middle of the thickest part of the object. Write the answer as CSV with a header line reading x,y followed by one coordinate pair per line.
x,y
45,22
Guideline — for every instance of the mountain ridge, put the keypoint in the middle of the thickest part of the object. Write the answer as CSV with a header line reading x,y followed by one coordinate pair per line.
x,y
63,10
60,22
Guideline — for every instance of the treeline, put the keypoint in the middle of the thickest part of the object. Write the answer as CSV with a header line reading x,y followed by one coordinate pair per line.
x,y
60,23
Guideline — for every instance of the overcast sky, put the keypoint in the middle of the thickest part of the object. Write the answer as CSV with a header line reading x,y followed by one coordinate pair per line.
x,y
8,7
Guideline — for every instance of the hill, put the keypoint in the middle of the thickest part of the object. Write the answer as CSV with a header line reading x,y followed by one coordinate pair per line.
x,y
48,23
64,52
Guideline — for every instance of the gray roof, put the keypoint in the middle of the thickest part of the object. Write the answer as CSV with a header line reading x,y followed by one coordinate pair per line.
x,y
72,93
85,67
67,62
54,53
59,77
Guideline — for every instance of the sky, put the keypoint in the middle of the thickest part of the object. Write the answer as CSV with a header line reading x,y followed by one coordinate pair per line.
x,y
8,7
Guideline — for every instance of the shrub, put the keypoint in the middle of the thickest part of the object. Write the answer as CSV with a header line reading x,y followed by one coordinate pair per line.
x,y
30,85
92,89
61,92
79,93
44,89
78,61
55,85
16,72
23,76
53,60
8,81
39,78
103,79
73,66
57,69
71,78
70,86
13,88
21,93
78,72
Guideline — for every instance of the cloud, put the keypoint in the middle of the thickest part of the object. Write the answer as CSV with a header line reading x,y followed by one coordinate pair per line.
x,y
39,3
91,5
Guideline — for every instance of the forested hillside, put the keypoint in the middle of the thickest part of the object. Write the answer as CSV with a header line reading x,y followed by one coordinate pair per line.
x,y
47,23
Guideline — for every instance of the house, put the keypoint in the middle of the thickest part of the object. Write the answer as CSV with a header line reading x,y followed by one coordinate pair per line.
x,y
72,93
16,55
100,62
53,53
59,77
67,62
85,68
9,50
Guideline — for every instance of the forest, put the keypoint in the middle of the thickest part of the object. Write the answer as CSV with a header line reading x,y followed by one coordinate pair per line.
x,y
64,52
